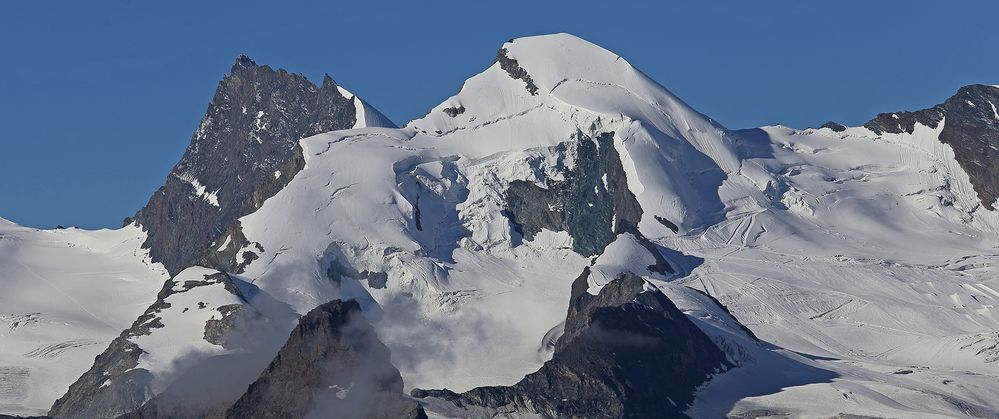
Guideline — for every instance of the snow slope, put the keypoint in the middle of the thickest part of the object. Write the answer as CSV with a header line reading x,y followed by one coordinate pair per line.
x,y
66,295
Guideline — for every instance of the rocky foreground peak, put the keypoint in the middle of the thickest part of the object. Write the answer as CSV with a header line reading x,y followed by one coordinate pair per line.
x,y
332,362
626,352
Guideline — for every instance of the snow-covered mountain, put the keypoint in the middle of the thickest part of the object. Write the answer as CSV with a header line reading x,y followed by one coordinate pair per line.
x,y
562,238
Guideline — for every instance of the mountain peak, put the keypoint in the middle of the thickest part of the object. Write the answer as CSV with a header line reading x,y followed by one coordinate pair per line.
x,y
328,81
548,60
244,61
244,151
978,87
563,71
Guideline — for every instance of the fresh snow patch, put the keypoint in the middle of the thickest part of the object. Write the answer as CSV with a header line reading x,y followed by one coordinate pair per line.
x,y
359,120
260,125
200,190
344,92
225,244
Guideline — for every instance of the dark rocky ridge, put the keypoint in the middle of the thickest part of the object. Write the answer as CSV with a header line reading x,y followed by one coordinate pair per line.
x,y
836,127
113,386
454,111
332,363
513,68
971,128
244,151
627,352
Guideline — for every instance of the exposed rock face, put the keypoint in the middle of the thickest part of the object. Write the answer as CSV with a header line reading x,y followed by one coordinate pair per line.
x,y
593,204
454,111
627,352
971,128
217,330
114,385
836,127
513,68
332,365
899,122
244,151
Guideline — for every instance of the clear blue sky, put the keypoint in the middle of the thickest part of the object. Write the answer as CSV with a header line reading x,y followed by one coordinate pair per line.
x,y
99,99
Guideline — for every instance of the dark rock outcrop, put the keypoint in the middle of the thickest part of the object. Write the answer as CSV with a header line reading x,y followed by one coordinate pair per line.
x,y
627,352
332,365
217,330
971,128
834,126
245,150
513,68
899,122
669,224
593,204
454,111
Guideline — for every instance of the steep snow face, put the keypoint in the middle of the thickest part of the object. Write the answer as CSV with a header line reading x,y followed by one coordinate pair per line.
x,y
66,294
364,114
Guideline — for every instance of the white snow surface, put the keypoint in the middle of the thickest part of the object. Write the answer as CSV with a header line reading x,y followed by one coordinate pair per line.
x,y
66,294
367,116
364,114
864,263
200,190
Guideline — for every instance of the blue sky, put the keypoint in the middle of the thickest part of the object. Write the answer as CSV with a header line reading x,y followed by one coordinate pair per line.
x,y
99,99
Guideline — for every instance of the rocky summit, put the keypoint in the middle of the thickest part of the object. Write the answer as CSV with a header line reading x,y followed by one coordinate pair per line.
x,y
243,152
